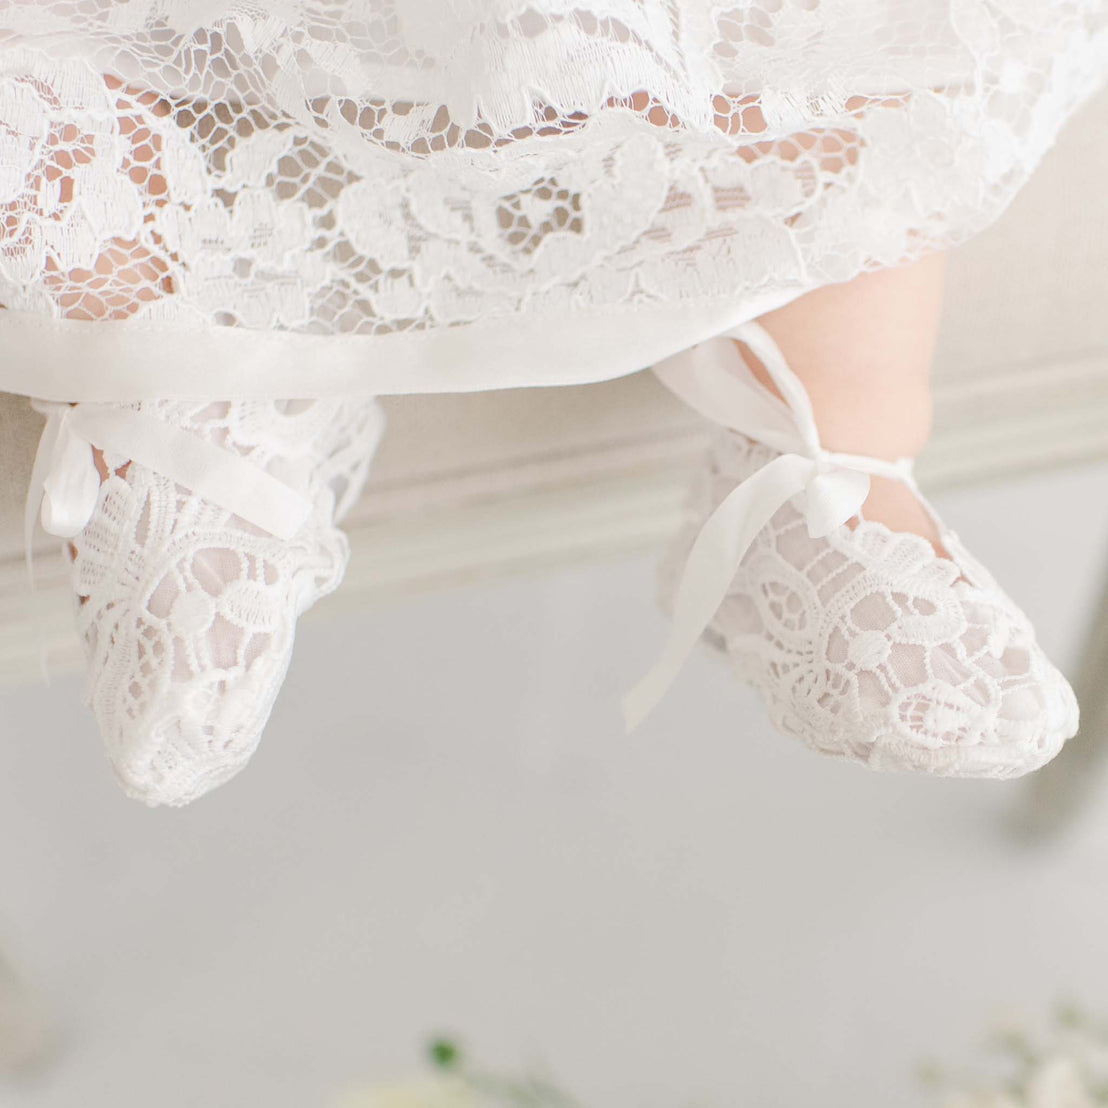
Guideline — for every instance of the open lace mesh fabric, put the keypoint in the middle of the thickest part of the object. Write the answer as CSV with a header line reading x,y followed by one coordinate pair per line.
x,y
864,642
187,611
423,194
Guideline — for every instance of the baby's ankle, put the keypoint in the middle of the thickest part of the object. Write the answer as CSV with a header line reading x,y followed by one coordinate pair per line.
x,y
883,416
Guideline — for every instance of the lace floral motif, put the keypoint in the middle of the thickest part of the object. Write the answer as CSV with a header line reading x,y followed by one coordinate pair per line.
x,y
385,165
866,644
187,612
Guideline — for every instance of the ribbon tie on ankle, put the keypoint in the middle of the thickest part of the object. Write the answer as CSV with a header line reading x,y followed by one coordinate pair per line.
x,y
66,483
828,488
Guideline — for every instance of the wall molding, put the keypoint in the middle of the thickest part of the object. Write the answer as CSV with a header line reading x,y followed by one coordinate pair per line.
x,y
568,499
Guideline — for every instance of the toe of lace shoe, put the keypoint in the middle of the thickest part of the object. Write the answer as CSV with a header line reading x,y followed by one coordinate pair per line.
x,y
948,734
170,741
1001,713
195,739
952,684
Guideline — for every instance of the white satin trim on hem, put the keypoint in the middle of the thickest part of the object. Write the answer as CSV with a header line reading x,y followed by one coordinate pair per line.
x,y
128,360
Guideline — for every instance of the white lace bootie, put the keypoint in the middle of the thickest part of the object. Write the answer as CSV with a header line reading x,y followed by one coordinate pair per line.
x,y
188,600
863,642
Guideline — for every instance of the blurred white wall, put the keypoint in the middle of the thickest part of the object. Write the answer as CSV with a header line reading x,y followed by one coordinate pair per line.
x,y
446,829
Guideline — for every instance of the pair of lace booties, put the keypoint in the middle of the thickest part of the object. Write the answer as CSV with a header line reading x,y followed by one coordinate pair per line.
x,y
208,529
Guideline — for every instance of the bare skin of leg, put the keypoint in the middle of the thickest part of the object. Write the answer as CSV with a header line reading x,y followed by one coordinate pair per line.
x,y
863,350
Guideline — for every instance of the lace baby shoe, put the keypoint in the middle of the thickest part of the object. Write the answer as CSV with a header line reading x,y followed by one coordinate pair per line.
x,y
213,532
863,642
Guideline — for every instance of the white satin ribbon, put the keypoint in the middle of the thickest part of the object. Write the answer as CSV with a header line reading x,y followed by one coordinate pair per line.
x,y
65,481
713,379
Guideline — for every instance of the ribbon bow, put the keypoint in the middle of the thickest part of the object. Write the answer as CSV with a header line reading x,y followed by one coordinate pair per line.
x,y
66,483
829,488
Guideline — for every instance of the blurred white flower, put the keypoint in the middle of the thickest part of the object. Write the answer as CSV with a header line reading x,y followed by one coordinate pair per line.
x,y
428,1092
1064,1071
982,1100
1058,1083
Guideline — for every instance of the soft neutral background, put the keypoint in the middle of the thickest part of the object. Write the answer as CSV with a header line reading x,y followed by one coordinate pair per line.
x,y
445,828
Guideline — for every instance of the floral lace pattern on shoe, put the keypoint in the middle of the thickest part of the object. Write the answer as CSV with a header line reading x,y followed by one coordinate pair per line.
x,y
187,611
865,642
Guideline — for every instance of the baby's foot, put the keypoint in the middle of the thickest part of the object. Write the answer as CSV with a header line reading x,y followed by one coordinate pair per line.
x,y
187,611
865,642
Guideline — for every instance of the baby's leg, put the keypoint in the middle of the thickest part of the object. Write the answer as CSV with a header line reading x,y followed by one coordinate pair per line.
x,y
862,348
861,642
863,351
187,611
127,273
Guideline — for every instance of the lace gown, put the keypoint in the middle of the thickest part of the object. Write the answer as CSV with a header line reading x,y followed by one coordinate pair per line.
x,y
417,195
